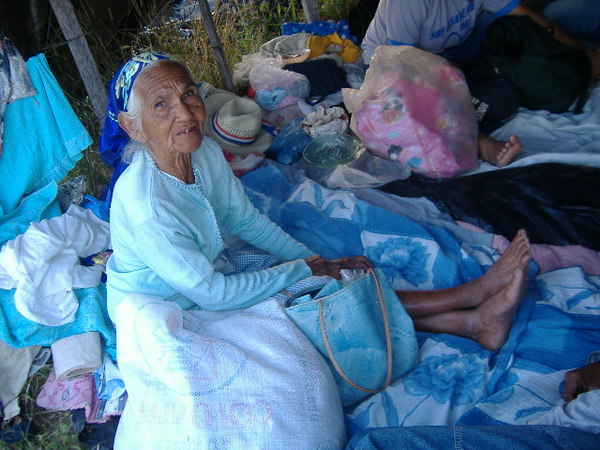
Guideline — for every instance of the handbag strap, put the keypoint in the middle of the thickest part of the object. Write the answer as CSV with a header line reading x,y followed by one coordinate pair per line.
x,y
388,341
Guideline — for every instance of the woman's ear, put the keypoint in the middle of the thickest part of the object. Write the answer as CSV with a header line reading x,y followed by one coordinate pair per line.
x,y
131,128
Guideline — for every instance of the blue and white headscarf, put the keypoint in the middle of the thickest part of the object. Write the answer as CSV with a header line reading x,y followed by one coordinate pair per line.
x,y
113,138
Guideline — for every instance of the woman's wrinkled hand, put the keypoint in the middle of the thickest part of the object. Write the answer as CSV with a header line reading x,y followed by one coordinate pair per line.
x,y
581,380
331,267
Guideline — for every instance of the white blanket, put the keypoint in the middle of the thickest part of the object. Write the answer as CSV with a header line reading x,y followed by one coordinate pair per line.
x,y
547,137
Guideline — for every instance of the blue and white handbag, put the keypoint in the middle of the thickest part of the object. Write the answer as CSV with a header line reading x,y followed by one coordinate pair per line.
x,y
362,330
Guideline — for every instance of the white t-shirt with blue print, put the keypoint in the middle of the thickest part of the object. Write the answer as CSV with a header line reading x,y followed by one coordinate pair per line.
x,y
431,25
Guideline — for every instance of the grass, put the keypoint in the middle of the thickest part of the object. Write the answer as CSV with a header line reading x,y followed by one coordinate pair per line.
x,y
55,428
242,25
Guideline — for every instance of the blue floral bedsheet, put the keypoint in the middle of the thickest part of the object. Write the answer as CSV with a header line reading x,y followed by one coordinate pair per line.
x,y
457,381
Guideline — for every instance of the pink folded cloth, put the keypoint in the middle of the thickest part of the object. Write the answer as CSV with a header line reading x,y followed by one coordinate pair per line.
x,y
78,393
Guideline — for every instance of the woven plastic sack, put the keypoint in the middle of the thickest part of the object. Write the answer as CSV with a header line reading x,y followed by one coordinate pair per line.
x,y
414,107
239,379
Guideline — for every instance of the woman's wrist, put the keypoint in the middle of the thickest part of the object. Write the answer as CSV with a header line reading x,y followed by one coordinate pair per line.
x,y
311,261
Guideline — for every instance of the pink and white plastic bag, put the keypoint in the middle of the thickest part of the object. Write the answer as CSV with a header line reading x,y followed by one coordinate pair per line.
x,y
415,108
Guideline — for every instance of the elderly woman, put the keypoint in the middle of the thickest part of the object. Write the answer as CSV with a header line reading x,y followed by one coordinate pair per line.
x,y
207,358
172,204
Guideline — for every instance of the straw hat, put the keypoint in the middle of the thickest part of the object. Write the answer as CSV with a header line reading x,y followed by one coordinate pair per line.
x,y
235,123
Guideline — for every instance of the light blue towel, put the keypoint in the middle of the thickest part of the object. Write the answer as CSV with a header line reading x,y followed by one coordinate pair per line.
x,y
43,139
17,331
41,204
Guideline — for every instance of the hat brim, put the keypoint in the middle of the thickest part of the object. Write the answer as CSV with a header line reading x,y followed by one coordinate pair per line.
x,y
212,104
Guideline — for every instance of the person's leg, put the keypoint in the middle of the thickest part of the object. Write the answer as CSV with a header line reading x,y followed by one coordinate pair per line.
x,y
472,294
487,324
494,97
516,437
497,152
481,310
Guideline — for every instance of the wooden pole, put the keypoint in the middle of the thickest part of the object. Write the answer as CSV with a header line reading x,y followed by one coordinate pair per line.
x,y
311,12
65,14
213,37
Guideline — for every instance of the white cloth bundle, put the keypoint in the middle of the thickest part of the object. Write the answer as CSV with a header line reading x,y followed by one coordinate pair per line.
x,y
43,266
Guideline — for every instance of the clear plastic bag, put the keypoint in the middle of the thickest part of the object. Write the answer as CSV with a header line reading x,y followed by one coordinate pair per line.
x,y
415,108
290,142
367,170
275,87
242,69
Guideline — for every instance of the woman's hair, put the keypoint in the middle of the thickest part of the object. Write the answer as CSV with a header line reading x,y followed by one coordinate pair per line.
x,y
131,148
134,109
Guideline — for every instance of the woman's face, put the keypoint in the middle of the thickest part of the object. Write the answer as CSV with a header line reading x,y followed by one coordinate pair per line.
x,y
172,111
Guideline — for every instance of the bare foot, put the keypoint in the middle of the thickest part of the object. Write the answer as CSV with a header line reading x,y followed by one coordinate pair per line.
x,y
497,152
423,304
490,322
500,273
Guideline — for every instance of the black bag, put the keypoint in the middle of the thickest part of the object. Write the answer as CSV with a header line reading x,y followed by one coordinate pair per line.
x,y
495,98
546,73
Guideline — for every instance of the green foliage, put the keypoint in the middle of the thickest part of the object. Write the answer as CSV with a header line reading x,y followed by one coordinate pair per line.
x,y
242,26
336,9
54,429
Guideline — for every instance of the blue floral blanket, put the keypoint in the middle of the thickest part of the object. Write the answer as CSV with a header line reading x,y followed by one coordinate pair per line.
x,y
457,381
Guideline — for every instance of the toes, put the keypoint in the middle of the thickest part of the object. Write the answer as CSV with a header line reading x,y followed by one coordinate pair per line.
x,y
501,153
521,236
514,140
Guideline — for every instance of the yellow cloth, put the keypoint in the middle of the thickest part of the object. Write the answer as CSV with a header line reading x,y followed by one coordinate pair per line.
x,y
320,45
